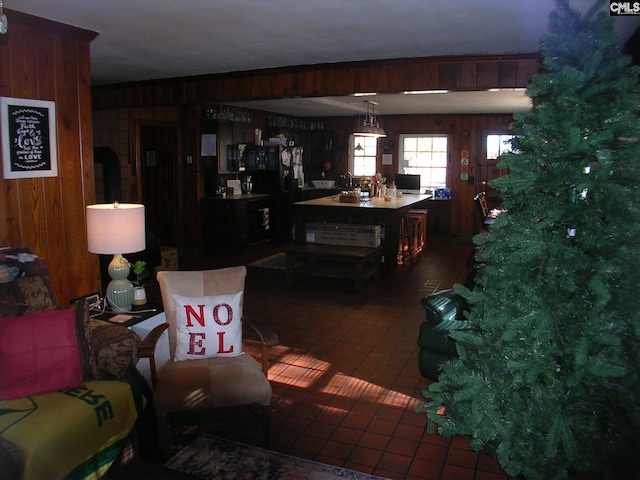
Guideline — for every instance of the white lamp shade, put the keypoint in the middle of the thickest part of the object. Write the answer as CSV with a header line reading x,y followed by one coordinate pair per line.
x,y
115,228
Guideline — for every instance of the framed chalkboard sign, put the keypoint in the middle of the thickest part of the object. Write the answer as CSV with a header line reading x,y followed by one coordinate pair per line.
x,y
29,141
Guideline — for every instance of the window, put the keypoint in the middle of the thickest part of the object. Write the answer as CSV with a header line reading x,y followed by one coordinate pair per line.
x,y
425,155
497,145
364,153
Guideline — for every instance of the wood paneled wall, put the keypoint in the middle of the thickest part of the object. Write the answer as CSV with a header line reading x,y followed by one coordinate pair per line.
x,y
382,76
44,60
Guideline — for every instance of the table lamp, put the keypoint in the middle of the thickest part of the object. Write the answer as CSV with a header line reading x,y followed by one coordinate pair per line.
x,y
117,228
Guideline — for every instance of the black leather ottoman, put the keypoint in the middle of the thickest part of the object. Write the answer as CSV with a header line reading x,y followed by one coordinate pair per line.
x,y
445,312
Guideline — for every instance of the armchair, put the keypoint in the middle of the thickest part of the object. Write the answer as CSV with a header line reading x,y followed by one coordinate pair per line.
x,y
207,369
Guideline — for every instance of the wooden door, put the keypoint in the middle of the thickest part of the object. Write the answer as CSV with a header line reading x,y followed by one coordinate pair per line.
x,y
490,152
158,166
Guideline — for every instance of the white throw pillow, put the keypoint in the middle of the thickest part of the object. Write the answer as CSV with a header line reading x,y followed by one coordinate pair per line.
x,y
208,326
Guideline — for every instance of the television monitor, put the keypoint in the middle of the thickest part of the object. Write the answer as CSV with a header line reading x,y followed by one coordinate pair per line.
x,y
406,183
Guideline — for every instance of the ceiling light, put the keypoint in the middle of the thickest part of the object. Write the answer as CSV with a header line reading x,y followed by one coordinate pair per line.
x,y
369,126
423,92
506,90
367,94
4,24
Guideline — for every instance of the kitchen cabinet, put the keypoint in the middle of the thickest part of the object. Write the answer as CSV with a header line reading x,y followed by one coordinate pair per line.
x,y
231,223
227,133
439,217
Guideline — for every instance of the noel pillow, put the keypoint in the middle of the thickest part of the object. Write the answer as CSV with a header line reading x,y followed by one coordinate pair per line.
x,y
208,326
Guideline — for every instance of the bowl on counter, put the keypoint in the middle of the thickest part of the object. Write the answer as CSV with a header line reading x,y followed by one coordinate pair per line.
x,y
323,183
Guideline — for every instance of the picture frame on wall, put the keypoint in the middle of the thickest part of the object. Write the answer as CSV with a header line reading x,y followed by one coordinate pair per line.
x,y
29,139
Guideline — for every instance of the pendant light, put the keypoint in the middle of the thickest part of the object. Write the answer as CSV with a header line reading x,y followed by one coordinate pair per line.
x,y
369,126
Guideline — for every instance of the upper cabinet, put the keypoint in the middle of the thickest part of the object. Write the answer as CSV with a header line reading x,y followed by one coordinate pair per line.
x,y
220,130
226,131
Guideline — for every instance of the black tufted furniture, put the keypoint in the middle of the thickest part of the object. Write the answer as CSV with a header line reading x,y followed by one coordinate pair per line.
x,y
445,312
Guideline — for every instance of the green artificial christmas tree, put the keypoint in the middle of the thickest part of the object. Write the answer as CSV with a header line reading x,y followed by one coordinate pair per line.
x,y
548,378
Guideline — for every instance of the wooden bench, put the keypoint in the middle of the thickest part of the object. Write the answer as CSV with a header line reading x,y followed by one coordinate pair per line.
x,y
365,259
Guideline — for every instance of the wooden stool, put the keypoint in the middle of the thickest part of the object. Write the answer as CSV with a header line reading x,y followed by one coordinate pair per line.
x,y
404,248
416,221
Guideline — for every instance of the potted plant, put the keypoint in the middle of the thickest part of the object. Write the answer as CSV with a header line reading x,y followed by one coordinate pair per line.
x,y
140,271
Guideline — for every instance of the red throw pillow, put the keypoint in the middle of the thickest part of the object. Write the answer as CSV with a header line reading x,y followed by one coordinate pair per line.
x,y
39,353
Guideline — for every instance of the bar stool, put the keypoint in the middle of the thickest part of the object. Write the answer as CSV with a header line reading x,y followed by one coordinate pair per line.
x,y
416,225
404,248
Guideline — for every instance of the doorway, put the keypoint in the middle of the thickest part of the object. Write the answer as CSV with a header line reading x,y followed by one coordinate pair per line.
x,y
158,156
493,146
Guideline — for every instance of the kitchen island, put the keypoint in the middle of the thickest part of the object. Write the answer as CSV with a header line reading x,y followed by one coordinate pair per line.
x,y
374,211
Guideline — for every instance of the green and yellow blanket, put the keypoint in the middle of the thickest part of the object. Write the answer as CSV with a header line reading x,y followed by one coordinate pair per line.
x,y
71,434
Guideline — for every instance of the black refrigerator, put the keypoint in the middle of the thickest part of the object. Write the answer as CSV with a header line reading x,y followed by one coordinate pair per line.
x,y
277,170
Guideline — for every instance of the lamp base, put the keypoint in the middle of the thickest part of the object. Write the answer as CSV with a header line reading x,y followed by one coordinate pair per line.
x,y
120,295
120,290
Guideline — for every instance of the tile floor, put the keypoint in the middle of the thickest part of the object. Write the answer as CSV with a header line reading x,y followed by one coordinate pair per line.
x,y
345,375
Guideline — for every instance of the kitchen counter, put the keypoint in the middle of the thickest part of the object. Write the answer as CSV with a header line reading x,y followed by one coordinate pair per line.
x,y
375,211
240,197
398,203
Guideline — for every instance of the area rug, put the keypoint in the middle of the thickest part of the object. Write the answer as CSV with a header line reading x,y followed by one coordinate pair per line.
x,y
213,458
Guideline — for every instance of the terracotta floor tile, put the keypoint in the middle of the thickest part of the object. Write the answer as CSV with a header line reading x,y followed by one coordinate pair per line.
x,y
409,432
376,441
310,444
319,429
356,421
347,435
434,453
337,450
365,456
453,472
462,458
425,469
402,446
389,413
395,463
384,427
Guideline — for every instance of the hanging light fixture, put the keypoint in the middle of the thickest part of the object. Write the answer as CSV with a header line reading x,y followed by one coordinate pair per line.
x,y
4,24
369,126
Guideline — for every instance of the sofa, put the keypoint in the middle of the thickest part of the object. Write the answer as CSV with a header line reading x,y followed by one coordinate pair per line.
x,y
444,313
70,395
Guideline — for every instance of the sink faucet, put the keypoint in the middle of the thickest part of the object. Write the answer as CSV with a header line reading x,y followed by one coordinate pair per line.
x,y
349,180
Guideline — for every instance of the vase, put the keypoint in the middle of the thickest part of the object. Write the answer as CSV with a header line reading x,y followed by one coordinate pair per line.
x,y
139,296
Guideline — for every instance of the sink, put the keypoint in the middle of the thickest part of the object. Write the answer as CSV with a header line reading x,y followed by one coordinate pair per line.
x,y
323,183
